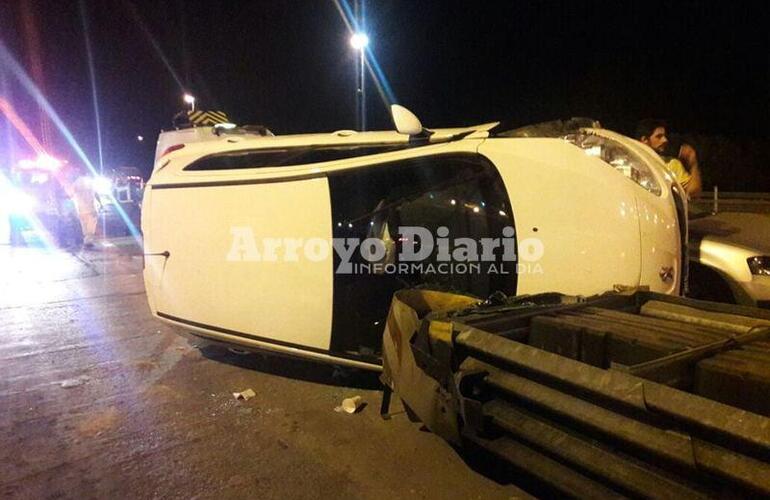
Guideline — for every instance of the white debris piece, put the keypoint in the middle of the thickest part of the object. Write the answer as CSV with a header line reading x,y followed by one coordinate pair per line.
x,y
350,405
244,395
75,382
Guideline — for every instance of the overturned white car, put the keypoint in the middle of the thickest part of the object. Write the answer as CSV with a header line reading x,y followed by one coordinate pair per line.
x,y
297,243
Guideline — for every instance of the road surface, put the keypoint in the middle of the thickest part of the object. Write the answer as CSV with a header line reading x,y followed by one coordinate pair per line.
x,y
99,400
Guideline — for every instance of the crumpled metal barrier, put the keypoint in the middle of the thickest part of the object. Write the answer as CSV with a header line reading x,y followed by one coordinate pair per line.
x,y
559,419
400,371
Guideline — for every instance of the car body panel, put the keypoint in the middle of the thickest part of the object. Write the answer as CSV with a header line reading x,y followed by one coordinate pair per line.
x,y
661,251
210,276
566,199
583,211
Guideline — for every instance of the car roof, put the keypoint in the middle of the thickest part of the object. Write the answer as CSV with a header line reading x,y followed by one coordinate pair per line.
x,y
206,139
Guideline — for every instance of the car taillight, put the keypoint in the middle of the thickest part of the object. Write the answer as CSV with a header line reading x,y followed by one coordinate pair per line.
x,y
171,149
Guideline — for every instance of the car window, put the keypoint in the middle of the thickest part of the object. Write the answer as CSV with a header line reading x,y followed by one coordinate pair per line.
x,y
286,157
462,193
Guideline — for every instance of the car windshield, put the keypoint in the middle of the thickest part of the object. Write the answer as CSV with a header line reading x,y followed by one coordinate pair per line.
x,y
554,128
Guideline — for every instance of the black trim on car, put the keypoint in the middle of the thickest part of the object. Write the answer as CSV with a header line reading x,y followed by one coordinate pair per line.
x,y
291,178
236,182
291,156
363,358
681,216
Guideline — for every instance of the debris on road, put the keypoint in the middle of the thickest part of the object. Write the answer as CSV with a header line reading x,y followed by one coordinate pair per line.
x,y
244,395
350,405
75,382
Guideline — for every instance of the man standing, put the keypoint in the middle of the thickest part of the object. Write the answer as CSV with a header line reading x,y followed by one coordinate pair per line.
x,y
81,191
685,168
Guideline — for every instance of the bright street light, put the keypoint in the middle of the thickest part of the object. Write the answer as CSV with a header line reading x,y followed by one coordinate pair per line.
x,y
359,41
189,100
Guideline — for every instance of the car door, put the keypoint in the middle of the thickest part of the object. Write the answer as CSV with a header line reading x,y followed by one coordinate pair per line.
x,y
218,273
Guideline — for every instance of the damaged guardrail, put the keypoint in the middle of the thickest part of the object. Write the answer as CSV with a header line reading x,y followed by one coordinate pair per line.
x,y
634,394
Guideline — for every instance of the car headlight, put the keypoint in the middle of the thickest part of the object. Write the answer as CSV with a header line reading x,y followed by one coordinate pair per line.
x,y
759,265
617,156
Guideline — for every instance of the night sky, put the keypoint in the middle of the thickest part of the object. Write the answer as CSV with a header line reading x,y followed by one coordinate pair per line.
x,y
288,65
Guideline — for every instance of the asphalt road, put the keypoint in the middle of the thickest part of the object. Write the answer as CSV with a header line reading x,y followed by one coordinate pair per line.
x,y
99,400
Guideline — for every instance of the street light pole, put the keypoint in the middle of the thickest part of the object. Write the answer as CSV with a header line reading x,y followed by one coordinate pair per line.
x,y
362,89
359,41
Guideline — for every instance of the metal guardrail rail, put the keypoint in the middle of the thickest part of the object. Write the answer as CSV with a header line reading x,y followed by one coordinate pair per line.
x,y
605,398
718,201
732,195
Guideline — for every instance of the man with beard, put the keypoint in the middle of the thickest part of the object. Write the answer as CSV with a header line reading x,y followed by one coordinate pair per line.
x,y
684,167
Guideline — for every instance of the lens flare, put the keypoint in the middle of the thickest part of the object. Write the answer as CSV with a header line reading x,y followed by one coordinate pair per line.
x,y
9,61
378,75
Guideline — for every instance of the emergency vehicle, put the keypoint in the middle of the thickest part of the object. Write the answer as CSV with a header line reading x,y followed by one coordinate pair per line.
x,y
38,209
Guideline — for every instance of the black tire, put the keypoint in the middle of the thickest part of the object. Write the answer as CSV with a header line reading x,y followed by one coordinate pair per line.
x,y
706,283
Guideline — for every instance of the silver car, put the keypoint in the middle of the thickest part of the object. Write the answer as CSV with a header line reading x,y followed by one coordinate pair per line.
x,y
730,258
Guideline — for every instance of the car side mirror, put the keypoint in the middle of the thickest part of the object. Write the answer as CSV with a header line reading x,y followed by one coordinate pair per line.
x,y
405,121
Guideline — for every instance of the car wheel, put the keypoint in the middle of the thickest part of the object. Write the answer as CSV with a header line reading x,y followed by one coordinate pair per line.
x,y
707,284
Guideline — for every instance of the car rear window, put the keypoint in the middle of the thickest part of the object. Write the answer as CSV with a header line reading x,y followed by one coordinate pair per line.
x,y
286,157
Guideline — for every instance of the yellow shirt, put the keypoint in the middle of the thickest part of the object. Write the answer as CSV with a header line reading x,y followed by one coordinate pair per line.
x,y
680,173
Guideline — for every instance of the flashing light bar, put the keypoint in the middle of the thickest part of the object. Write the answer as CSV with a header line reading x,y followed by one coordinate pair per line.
x,y
42,162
